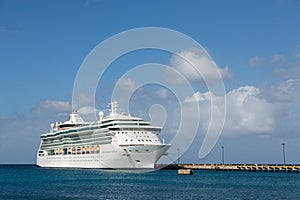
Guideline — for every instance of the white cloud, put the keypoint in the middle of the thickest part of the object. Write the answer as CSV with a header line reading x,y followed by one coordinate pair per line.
x,y
187,60
284,92
123,90
248,110
82,100
52,106
86,110
198,97
162,93
126,84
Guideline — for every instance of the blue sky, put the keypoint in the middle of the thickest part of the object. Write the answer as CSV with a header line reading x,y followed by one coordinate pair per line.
x,y
43,43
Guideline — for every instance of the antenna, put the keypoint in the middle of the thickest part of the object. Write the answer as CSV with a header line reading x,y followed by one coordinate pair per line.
x,y
114,107
101,115
52,126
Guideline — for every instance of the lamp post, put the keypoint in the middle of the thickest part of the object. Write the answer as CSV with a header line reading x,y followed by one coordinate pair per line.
x,y
283,152
178,155
222,155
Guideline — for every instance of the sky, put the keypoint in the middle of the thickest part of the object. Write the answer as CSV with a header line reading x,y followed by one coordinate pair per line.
x,y
255,45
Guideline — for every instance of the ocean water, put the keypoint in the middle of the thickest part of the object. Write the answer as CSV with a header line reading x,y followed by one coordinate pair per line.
x,y
31,182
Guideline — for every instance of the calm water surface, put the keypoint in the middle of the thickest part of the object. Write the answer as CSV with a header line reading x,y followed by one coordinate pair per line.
x,y
31,182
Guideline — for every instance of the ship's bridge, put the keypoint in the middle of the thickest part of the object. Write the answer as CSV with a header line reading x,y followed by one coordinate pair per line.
x,y
74,120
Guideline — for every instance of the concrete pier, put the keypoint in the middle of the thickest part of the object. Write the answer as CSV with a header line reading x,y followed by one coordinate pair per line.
x,y
242,167
185,171
236,167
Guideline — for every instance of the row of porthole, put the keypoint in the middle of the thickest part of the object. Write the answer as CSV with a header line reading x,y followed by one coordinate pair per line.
x,y
141,136
86,160
133,132
137,150
139,140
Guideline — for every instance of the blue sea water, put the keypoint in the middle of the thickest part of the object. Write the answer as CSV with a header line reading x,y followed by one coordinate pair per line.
x,y
31,182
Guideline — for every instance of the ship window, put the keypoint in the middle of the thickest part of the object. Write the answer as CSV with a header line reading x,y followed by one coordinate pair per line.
x,y
147,149
131,140
126,140
137,150
139,140
137,161
142,140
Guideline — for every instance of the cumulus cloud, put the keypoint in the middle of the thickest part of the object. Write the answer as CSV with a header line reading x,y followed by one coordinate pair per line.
x,y
123,90
186,62
20,133
52,106
248,112
126,84
86,110
83,100
284,92
251,110
162,93
198,97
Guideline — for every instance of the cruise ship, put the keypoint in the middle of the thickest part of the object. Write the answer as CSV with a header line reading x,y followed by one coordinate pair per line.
x,y
115,141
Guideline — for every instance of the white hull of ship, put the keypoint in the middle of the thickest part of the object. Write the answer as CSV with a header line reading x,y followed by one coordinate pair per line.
x,y
110,157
